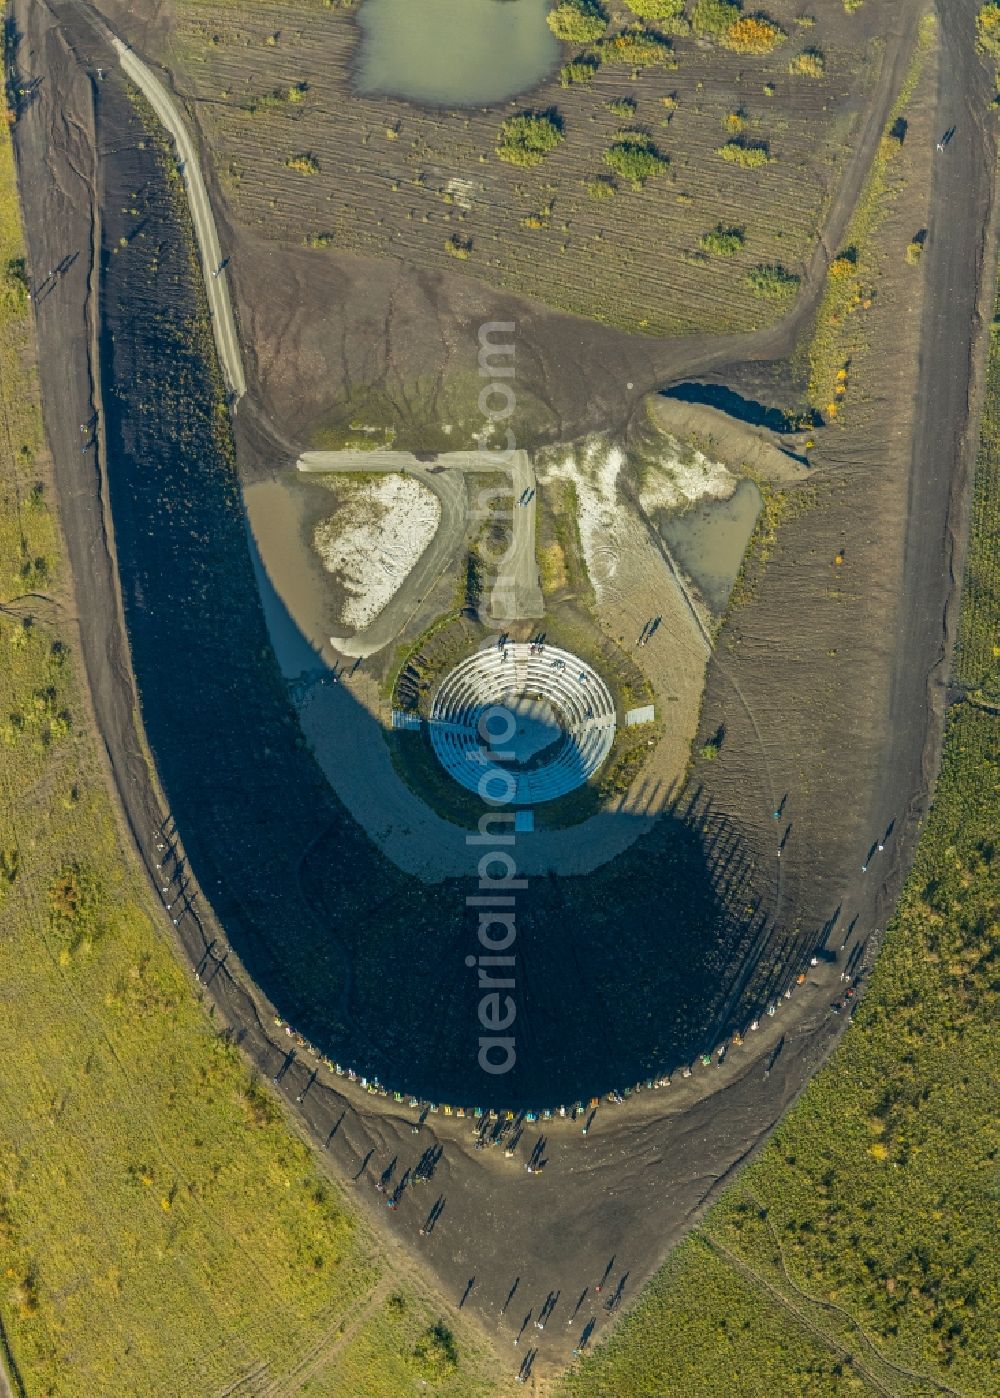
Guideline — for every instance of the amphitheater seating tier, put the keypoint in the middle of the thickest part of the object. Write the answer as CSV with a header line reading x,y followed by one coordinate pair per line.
x,y
504,676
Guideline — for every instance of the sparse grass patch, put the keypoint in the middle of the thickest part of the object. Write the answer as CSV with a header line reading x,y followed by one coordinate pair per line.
x,y
849,285
988,29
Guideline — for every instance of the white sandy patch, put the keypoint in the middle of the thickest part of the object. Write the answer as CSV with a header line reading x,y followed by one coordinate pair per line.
x,y
461,191
681,475
594,469
372,542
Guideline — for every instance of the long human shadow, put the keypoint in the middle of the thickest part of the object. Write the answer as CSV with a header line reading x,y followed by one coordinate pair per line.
x,y
619,975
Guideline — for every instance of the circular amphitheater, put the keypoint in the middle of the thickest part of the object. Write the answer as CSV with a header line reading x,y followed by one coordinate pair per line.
x,y
522,723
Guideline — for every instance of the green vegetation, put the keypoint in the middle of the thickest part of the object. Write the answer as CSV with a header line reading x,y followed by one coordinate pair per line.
x,y
914,251
722,241
305,164
714,18
279,97
435,1357
977,661
857,1253
635,158
668,14
988,29
753,34
772,282
725,22
624,107
579,70
602,187
457,246
749,155
637,48
577,21
528,138
810,63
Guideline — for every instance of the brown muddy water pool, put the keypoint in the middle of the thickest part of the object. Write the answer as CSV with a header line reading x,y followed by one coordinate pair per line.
x,y
709,538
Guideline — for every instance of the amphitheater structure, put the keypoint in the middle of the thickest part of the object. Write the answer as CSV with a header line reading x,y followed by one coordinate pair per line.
x,y
522,723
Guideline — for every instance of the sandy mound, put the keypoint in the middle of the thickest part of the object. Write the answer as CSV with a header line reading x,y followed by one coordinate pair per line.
x,y
681,475
373,541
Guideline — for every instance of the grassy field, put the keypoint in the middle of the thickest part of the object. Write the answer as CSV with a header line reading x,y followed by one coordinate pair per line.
x,y
577,229
857,1253
161,1229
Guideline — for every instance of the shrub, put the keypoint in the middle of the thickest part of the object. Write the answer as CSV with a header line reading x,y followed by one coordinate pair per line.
x,y
810,64
622,106
637,47
735,122
668,14
845,264
435,1355
15,285
528,138
457,246
851,5
914,252
772,282
602,187
577,21
722,241
749,155
988,29
579,70
713,17
305,164
635,158
753,34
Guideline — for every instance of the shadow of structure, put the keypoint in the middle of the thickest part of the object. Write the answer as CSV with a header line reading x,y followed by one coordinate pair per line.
x,y
617,975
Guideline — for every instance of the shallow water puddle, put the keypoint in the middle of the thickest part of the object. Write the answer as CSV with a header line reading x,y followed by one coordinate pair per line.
x,y
708,540
465,53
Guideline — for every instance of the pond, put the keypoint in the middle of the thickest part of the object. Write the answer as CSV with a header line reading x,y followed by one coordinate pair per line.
x,y
708,540
464,53
727,400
